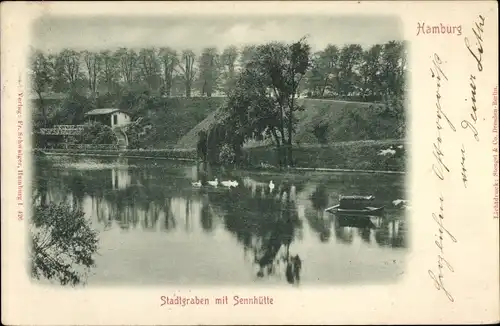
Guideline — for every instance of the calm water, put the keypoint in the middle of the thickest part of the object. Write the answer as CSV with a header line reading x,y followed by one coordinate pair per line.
x,y
156,228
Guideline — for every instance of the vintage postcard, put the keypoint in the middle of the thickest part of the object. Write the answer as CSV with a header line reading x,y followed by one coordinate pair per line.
x,y
261,162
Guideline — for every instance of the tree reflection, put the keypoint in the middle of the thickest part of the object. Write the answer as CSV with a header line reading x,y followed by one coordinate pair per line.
x,y
343,234
206,218
265,226
319,198
392,233
363,224
170,222
346,224
318,222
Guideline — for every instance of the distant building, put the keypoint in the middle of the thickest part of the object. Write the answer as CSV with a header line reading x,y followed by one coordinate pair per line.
x,y
110,117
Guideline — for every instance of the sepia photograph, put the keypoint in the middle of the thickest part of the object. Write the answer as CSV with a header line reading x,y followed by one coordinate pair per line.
x,y
249,163
218,150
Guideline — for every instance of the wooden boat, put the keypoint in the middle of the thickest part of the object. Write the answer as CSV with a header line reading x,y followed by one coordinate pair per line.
x,y
355,205
368,210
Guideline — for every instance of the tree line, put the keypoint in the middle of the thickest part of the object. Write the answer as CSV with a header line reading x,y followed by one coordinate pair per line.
x,y
261,83
341,72
263,102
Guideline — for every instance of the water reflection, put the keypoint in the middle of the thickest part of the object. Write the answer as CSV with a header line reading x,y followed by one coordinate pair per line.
x,y
274,228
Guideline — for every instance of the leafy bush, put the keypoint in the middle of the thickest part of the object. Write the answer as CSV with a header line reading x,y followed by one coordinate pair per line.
x,y
140,132
97,133
72,110
227,155
320,131
63,244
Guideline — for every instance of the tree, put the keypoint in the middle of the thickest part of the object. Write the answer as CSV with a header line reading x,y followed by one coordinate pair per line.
x,y
41,76
93,65
247,54
263,102
315,77
348,71
188,70
394,68
324,70
201,145
208,71
169,62
73,109
108,75
68,68
228,66
127,62
284,67
250,111
371,74
149,68
63,244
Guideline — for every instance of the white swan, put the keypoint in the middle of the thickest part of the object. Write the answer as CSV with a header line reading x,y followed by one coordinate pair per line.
x,y
196,184
271,185
214,183
400,203
230,183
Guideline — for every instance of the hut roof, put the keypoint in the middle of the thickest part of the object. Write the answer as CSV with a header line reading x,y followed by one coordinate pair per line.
x,y
103,111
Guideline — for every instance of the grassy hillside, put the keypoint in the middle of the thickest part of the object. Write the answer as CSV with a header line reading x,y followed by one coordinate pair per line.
x,y
190,139
331,115
171,118
340,121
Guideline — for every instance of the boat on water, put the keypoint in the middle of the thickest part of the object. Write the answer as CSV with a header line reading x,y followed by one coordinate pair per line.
x,y
355,205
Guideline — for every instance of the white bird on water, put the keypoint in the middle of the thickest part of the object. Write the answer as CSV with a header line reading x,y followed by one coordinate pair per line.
x,y
214,183
271,185
196,184
229,183
400,203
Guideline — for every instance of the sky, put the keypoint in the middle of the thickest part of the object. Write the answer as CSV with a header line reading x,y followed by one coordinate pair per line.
x,y
52,33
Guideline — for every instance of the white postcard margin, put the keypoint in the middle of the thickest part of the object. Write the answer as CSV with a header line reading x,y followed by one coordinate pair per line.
x,y
470,266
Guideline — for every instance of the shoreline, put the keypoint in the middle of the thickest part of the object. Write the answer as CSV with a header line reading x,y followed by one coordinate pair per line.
x,y
59,152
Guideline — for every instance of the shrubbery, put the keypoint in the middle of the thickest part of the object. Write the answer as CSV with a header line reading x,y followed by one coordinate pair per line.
x,y
227,155
97,133
63,244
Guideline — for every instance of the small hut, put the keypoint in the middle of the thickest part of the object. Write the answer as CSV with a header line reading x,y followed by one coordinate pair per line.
x,y
111,117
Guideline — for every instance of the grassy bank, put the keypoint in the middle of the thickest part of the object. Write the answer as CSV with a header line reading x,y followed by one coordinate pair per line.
x,y
172,118
324,122
355,155
179,154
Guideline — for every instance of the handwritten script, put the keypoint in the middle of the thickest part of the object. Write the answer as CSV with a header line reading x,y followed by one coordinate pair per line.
x,y
477,54
442,262
440,169
440,166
